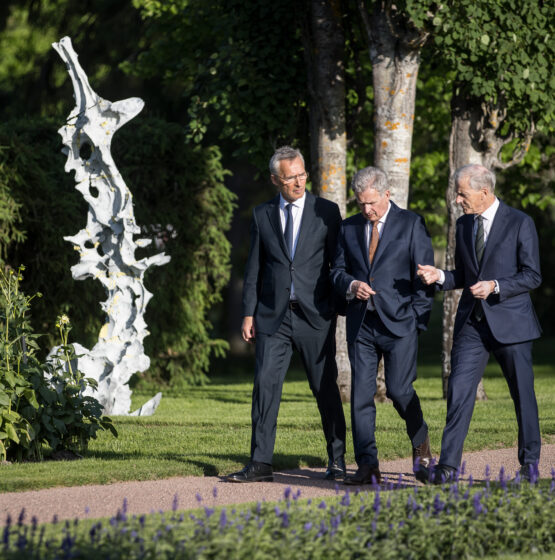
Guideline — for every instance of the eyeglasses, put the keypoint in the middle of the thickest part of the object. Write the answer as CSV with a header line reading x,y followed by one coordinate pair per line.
x,y
300,177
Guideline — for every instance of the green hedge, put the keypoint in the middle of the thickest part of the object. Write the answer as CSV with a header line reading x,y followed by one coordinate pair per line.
x,y
172,184
453,522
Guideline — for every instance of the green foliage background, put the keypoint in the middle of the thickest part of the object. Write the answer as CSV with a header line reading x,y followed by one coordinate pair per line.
x,y
179,195
224,84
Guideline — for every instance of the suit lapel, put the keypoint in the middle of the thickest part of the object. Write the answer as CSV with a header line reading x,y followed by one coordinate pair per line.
x,y
496,232
360,230
308,215
275,220
468,235
391,225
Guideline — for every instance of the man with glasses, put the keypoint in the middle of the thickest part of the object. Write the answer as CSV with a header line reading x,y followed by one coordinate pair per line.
x,y
288,303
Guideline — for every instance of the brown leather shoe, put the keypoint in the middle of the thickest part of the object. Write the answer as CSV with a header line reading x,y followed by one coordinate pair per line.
x,y
423,453
364,475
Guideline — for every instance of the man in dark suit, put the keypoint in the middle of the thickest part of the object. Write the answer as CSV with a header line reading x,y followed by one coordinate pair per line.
x,y
288,303
496,264
375,267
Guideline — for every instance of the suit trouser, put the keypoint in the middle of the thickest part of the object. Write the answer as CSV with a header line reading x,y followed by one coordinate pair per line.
x,y
469,357
374,340
273,355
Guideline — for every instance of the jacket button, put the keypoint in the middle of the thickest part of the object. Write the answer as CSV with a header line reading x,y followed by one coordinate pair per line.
x,y
371,279
292,268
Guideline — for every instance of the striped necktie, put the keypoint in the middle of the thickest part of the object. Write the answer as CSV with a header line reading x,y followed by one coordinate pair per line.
x,y
479,241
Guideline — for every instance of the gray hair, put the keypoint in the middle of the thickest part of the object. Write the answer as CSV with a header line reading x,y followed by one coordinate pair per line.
x,y
285,152
369,178
478,177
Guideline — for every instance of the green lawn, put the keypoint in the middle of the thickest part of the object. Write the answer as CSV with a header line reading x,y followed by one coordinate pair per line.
x,y
206,430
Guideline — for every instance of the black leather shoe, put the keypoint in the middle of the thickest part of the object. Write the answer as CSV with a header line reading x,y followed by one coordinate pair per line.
x,y
529,472
438,474
364,475
422,454
442,474
422,474
253,472
336,469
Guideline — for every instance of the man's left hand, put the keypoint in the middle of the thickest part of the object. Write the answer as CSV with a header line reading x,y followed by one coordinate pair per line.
x,y
482,289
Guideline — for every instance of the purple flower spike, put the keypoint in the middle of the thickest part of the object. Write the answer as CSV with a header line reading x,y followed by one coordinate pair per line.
x,y
287,493
308,526
284,520
488,471
223,519
215,492
477,504
21,517
463,468
198,497
175,502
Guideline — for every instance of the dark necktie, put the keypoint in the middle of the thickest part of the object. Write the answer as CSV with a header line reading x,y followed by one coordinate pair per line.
x,y
288,233
479,241
478,311
373,245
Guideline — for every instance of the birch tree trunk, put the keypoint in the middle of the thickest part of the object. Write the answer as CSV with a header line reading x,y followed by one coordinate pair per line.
x,y
395,57
326,79
461,153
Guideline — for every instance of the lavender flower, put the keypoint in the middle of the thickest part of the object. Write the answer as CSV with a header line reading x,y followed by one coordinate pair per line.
x,y
175,502
346,500
223,519
476,502
215,492
287,493
376,505
308,526
284,520
198,497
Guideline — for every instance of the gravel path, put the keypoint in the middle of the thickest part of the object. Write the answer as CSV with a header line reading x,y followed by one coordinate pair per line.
x,y
145,497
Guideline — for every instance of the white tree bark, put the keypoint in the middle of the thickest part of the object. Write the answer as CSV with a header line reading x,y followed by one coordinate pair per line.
x,y
395,56
106,246
326,77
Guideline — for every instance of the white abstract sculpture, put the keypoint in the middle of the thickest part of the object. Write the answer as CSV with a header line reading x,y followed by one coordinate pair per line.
x,y
106,246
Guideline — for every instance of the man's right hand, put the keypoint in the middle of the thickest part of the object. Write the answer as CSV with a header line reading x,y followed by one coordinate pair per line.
x,y
361,290
428,273
247,329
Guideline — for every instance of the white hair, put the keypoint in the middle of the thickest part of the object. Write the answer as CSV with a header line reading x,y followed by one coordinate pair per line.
x,y
369,178
478,177
285,152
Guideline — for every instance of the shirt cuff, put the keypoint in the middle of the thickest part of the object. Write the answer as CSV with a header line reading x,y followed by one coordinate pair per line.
x,y
496,289
441,277
350,294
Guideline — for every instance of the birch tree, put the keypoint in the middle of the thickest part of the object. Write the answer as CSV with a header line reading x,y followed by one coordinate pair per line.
x,y
394,45
324,54
502,53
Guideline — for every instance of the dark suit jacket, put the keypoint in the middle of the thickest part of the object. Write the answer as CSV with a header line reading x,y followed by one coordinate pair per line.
x,y
402,301
511,257
270,270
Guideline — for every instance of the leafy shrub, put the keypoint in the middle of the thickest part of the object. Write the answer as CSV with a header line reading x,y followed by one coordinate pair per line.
x,y
40,403
393,522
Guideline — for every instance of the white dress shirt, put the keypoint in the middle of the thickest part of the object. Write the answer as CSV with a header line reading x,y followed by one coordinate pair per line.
x,y
488,215
368,235
297,208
